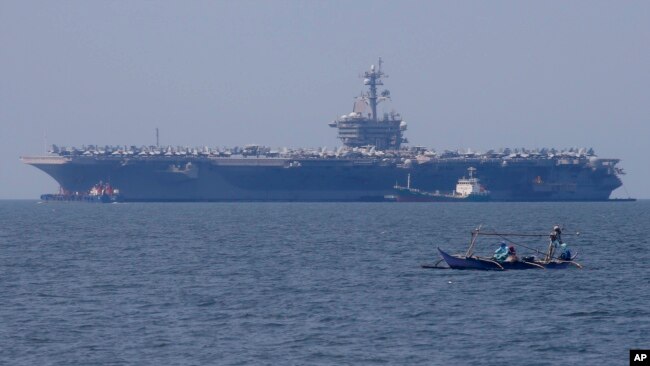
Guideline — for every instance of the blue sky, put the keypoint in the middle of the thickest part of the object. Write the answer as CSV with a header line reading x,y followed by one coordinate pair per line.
x,y
467,74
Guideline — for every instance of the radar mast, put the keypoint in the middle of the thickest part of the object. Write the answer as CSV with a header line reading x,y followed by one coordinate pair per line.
x,y
372,78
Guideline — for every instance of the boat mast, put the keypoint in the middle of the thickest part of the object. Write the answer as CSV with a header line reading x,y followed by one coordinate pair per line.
x,y
475,234
471,171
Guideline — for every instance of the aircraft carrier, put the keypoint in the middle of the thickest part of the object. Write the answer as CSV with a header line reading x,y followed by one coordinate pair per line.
x,y
372,160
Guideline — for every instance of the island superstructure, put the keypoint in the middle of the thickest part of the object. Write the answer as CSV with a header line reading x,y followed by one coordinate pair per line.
x,y
371,161
364,128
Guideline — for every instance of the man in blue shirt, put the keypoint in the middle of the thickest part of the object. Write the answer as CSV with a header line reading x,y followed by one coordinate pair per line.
x,y
501,253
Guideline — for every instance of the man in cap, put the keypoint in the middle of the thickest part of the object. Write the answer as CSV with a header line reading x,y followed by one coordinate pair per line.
x,y
555,241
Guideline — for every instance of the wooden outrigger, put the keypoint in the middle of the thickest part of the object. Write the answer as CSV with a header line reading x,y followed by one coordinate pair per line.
x,y
473,262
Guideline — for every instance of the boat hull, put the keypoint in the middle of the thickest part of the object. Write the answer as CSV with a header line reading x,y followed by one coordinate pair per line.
x,y
455,262
79,198
476,263
408,195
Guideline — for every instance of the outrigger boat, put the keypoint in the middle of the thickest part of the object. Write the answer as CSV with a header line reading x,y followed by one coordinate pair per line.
x,y
474,262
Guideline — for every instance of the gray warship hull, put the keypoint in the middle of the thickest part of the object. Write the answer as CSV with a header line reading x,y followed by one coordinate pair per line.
x,y
279,179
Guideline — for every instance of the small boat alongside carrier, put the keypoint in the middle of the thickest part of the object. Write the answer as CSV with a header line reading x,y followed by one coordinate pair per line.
x,y
467,190
99,193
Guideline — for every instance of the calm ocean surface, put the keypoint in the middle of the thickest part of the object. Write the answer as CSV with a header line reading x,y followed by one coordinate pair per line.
x,y
314,283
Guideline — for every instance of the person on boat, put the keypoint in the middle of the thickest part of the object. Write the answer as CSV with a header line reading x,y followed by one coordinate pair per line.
x,y
512,255
501,253
556,234
566,252
555,240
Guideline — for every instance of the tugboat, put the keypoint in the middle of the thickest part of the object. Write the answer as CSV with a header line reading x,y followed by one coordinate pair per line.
x,y
467,190
99,193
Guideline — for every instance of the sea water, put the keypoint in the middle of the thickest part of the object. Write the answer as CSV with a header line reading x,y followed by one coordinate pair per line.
x,y
315,283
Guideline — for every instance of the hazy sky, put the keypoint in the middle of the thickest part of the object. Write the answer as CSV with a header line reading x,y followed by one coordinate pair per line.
x,y
463,74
